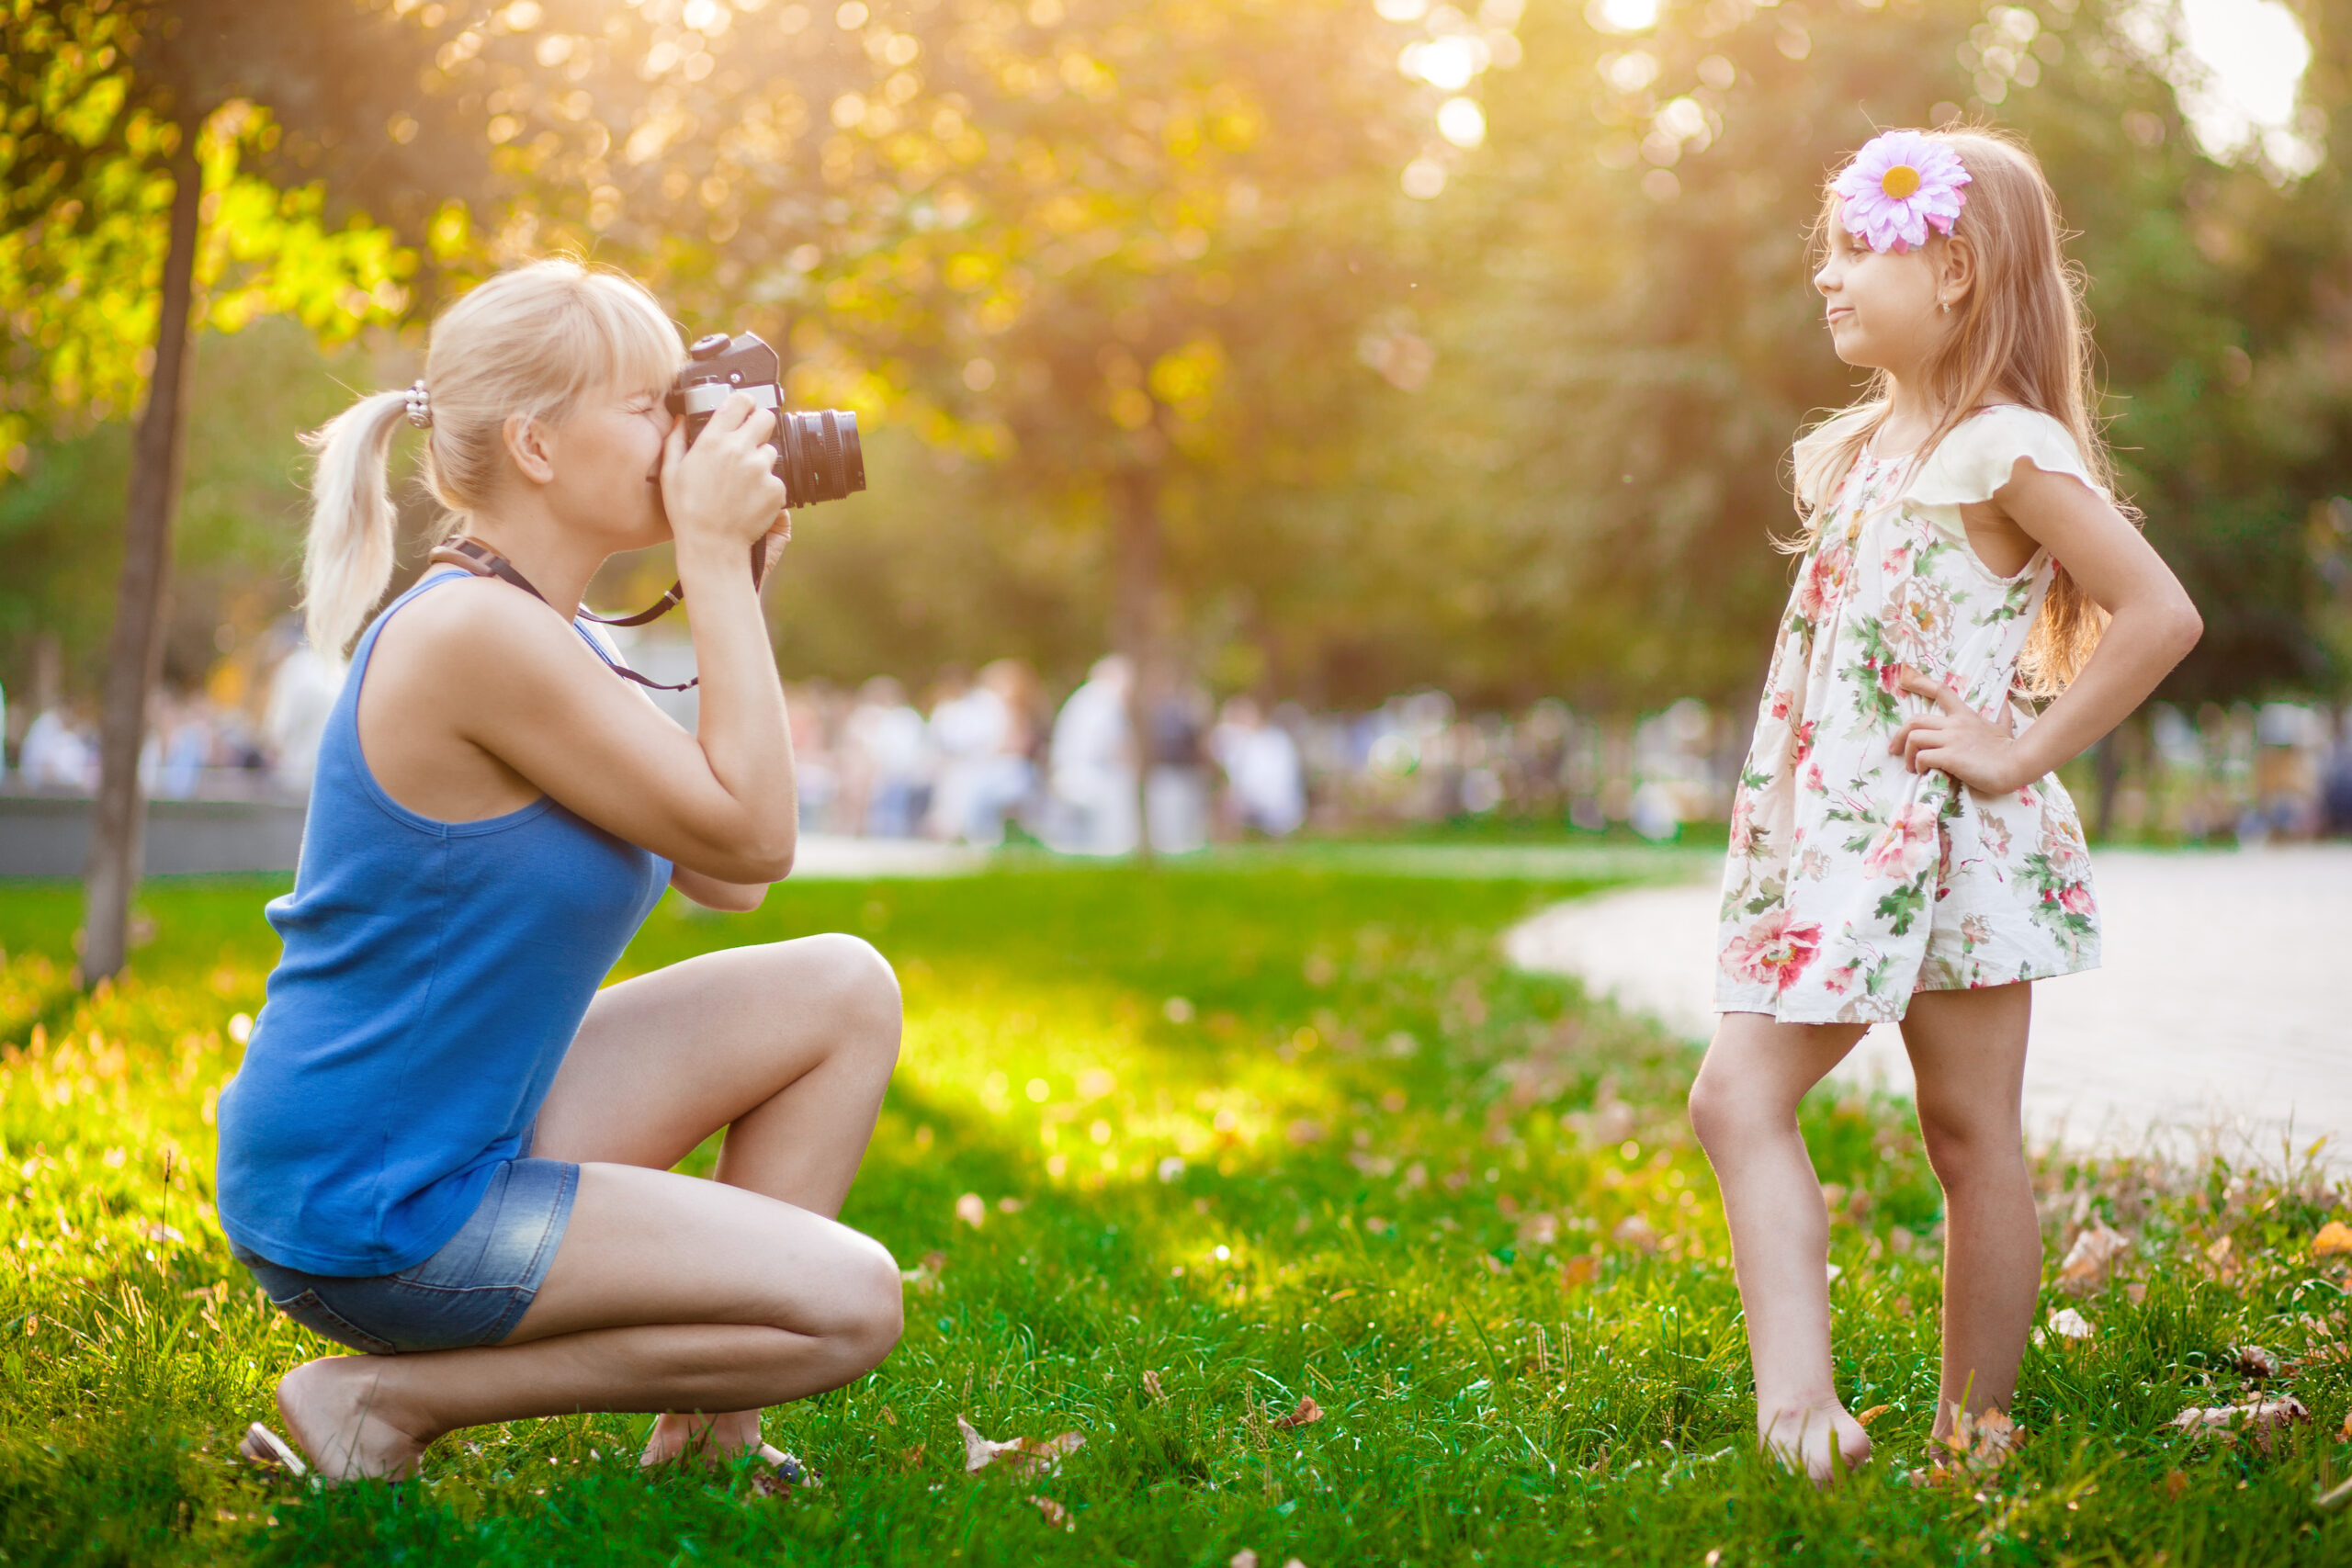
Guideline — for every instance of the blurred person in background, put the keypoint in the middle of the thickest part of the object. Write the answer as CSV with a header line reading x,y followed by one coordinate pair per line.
x,y
1094,810
184,746
1176,790
816,722
1265,785
302,693
981,735
2335,781
56,755
888,758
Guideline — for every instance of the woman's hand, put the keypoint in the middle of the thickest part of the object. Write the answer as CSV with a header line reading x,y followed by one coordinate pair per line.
x,y
1955,739
722,490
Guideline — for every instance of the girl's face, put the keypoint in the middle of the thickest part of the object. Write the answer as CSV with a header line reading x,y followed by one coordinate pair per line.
x,y
1884,311
606,457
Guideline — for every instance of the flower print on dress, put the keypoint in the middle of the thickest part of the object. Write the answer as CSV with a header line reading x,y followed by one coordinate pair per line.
x,y
1774,951
1860,883
1907,846
1921,620
1898,186
1820,585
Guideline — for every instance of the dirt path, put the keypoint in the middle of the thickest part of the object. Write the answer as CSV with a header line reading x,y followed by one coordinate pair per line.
x,y
2225,1009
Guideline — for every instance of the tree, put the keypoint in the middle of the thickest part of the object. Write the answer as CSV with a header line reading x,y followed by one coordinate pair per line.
x,y
1627,344
123,121
1121,253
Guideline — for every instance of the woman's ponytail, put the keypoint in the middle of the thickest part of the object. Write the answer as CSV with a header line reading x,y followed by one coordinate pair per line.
x,y
528,343
348,562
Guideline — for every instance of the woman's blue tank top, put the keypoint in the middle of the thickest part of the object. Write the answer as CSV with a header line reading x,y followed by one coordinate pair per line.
x,y
434,974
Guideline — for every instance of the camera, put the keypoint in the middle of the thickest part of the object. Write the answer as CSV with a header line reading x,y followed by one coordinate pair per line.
x,y
817,454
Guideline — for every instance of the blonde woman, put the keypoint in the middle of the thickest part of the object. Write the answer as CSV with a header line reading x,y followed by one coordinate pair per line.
x,y
445,1147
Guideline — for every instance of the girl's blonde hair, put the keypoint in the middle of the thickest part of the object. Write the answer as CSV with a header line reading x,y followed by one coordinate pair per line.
x,y
2020,331
527,344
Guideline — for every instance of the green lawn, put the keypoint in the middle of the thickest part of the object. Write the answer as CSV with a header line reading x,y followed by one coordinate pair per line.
x,y
1275,1128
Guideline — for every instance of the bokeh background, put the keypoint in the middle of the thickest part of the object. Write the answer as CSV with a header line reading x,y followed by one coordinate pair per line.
x,y
1423,375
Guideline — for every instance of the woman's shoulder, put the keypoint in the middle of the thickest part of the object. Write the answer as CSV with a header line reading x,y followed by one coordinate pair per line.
x,y
1980,455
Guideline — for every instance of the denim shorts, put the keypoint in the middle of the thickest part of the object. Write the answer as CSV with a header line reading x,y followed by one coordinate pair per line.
x,y
473,1292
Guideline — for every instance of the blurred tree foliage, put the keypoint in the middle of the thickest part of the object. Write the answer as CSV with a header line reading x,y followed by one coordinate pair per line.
x,y
1144,328
1630,342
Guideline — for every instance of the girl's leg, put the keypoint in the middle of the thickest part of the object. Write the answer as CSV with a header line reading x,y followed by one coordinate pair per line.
x,y
1743,1108
790,1047
1968,1053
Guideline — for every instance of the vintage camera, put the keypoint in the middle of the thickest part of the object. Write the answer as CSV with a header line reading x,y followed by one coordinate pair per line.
x,y
817,454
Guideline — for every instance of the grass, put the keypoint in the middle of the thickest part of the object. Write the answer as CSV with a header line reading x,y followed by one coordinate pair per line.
x,y
1268,1130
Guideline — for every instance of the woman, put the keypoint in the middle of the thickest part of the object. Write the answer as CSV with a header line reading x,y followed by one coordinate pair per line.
x,y
445,1147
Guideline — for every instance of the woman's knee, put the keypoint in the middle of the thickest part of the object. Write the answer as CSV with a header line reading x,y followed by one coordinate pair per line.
x,y
859,980
869,1307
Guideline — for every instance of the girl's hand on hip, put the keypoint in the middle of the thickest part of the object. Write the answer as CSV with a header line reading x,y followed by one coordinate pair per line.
x,y
1953,738
724,491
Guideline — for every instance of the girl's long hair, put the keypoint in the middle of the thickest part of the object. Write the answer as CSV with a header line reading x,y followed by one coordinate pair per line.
x,y
528,343
2020,331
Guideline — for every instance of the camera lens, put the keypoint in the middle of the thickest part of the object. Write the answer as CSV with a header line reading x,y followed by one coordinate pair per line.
x,y
817,456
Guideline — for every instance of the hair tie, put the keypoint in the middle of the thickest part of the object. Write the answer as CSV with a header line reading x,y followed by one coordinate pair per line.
x,y
420,405
1898,186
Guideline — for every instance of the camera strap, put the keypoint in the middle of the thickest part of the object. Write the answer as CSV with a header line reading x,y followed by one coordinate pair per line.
x,y
473,556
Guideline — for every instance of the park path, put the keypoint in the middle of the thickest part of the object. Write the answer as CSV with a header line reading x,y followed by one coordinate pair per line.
x,y
2223,1012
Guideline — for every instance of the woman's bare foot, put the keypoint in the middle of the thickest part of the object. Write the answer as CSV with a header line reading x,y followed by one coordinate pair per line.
x,y
713,1440
338,1412
1818,1439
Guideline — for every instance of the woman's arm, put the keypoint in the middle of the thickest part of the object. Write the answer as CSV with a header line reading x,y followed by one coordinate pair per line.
x,y
2154,625
518,682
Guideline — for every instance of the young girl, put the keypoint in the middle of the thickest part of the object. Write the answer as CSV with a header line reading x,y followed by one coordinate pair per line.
x,y
1899,847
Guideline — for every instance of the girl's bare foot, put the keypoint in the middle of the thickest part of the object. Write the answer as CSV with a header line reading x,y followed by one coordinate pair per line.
x,y
1818,1439
712,1439
337,1412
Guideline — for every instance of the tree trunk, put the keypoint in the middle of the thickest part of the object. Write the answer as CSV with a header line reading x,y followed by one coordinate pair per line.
x,y
135,650
1134,629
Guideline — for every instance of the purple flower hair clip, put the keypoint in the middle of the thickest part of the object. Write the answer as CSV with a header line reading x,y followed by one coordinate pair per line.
x,y
1898,186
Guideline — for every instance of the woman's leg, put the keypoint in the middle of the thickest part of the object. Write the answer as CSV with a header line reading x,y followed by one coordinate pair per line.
x,y
663,1281
668,1293
1968,1054
1743,1108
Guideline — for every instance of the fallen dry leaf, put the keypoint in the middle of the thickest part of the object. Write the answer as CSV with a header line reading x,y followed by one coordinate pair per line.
x,y
2175,1485
2334,1237
1872,1413
1022,1456
1056,1515
1635,1232
1151,1384
1245,1558
2087,1262
2068,1323
912,1459
1306,1414
2258,1415
2254,1361
1983,1441
2346,1435
971,1210
2219,1256
1579,1271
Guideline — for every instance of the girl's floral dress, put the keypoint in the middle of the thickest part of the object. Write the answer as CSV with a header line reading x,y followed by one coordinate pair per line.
x,y
1852,881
